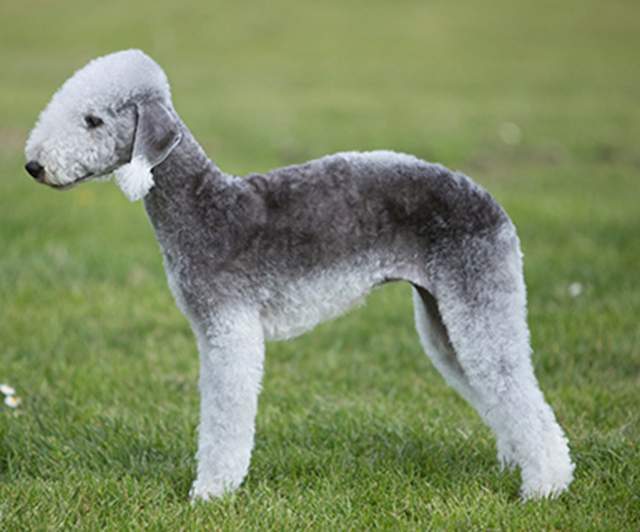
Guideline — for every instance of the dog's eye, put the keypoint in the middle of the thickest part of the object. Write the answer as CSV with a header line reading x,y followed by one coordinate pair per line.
x,y
93,121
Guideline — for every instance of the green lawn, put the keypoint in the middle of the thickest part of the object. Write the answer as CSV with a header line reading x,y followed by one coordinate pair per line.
x,y
538,101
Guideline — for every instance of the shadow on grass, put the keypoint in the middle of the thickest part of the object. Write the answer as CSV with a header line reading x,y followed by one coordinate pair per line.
x,y
313,455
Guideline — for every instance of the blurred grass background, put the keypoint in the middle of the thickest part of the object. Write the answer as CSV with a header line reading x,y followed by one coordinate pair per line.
x,y
538,101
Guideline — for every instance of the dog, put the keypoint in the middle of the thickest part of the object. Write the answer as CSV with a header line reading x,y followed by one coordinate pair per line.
x,y
269,256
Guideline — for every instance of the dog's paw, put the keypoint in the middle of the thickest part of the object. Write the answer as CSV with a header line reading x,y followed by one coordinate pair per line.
x,y
551,484
201,491
545,490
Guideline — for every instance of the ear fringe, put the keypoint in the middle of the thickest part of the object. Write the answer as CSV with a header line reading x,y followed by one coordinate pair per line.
x,y
135,178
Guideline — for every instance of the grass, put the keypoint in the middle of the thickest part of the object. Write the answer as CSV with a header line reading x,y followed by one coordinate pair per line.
x,y
356,430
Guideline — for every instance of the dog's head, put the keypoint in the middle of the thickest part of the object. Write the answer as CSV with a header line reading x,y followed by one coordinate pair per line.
x,y
112,116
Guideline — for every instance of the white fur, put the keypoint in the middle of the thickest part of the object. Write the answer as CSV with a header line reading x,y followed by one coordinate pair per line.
x,y
60,140
383,157
305,302
231,346
135,178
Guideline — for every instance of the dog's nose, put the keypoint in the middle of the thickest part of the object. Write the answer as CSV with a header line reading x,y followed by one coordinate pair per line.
x,y
35,169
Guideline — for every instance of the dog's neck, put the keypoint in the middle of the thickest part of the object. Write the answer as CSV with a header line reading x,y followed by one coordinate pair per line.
x,y
179,181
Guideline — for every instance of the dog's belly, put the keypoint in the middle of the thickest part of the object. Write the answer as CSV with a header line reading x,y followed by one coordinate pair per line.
x,y
296,306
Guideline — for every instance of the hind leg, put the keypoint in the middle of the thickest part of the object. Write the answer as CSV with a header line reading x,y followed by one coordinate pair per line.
x,y
498,368
483,304
437,344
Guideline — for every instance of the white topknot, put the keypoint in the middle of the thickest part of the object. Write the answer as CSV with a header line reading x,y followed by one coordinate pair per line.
x,y
117,78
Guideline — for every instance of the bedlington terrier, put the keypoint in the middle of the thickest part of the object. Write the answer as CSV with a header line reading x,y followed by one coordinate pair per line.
x,y
269,256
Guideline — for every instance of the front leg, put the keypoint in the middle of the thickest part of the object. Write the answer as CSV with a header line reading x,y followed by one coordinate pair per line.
x,y
231,346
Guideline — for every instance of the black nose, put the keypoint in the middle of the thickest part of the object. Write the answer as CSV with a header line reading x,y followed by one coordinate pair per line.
x,y
35,169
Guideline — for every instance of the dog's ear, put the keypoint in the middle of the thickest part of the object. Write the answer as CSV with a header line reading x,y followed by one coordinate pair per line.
x,y
157,133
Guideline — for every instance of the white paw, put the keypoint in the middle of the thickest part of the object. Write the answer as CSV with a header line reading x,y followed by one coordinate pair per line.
x,y
203,491
552,483
548,490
